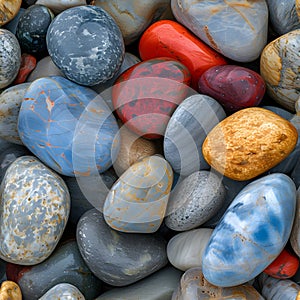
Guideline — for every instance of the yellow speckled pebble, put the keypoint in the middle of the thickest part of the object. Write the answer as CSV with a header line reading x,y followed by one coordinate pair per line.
x,y
249,143
10,291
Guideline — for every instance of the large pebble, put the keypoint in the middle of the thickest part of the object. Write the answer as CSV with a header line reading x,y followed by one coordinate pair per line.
x,y
195,200
35,206
253,231
279,67
118,258
185,249
237,29
63,291
188,127
249,143
8,10
9,290
86,44
65,265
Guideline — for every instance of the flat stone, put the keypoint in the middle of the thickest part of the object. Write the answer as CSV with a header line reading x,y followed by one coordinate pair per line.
x,y
118,258
195,200
8,10
63,291
252,233
185,249
238,30
92,40
9,290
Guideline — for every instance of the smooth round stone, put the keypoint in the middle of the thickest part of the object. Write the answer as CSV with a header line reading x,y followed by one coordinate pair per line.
x,y
9,290
252,233
65,265
86,44
188,127
49,121
249,143
63,291
137,202
57,6
158,286
13,24
158,41
44,68
295,234
146,111
32,29
28,63
35,206
195,200
279,65
193,285
238,30
276,289
234,87
8,10
10,57
133,17
185,249
117,258
10,103
284,15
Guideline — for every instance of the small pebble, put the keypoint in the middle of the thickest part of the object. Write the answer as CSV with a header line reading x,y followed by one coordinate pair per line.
x,y
8,10
28,63
9,290
63,291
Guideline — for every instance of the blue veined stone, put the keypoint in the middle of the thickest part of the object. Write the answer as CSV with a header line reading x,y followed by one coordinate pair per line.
x,y
252,232
67,127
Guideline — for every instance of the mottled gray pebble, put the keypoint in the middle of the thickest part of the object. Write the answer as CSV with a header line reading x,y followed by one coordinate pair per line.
x,y
63,291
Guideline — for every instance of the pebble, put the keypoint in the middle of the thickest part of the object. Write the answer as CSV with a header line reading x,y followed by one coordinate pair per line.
x,y
252,233
57,6
137,202
28,63
187,128
10,57
9,290
35,206
279,65
93,43
8,10
238,30
249,143
194,201
117,258
295,234
63,291
185,249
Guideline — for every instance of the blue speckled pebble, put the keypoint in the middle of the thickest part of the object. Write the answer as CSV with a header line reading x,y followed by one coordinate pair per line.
x,y
86,44
252,232
35,206
47,126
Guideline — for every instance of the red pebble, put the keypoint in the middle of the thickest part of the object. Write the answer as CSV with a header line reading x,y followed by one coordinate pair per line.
x,y
146,95
171,39
234,87
28,63
284,266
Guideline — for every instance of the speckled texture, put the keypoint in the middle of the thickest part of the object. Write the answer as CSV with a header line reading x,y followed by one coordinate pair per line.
x,y
10,103
284,15
279,67
8,10
195,200
86,44
137,202
118,258
252,233
188,126
35,206
10,291
10,57
65,265
47,126
58,6
237,29
63,291
185,249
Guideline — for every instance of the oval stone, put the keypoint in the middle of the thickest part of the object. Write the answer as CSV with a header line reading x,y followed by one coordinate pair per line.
x,y
147,94
86,44
48,125
236,29
158,41
252,233
57,6
234,87
35,206
8,10
118,258
188,127
9,290
279,67
249,143
63,291
137,202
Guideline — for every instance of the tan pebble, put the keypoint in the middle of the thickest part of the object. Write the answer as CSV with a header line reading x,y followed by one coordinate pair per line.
x,y
249,143
10,291
8,10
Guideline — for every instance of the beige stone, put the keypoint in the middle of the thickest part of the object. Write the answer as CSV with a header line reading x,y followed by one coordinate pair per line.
x,y
10,291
